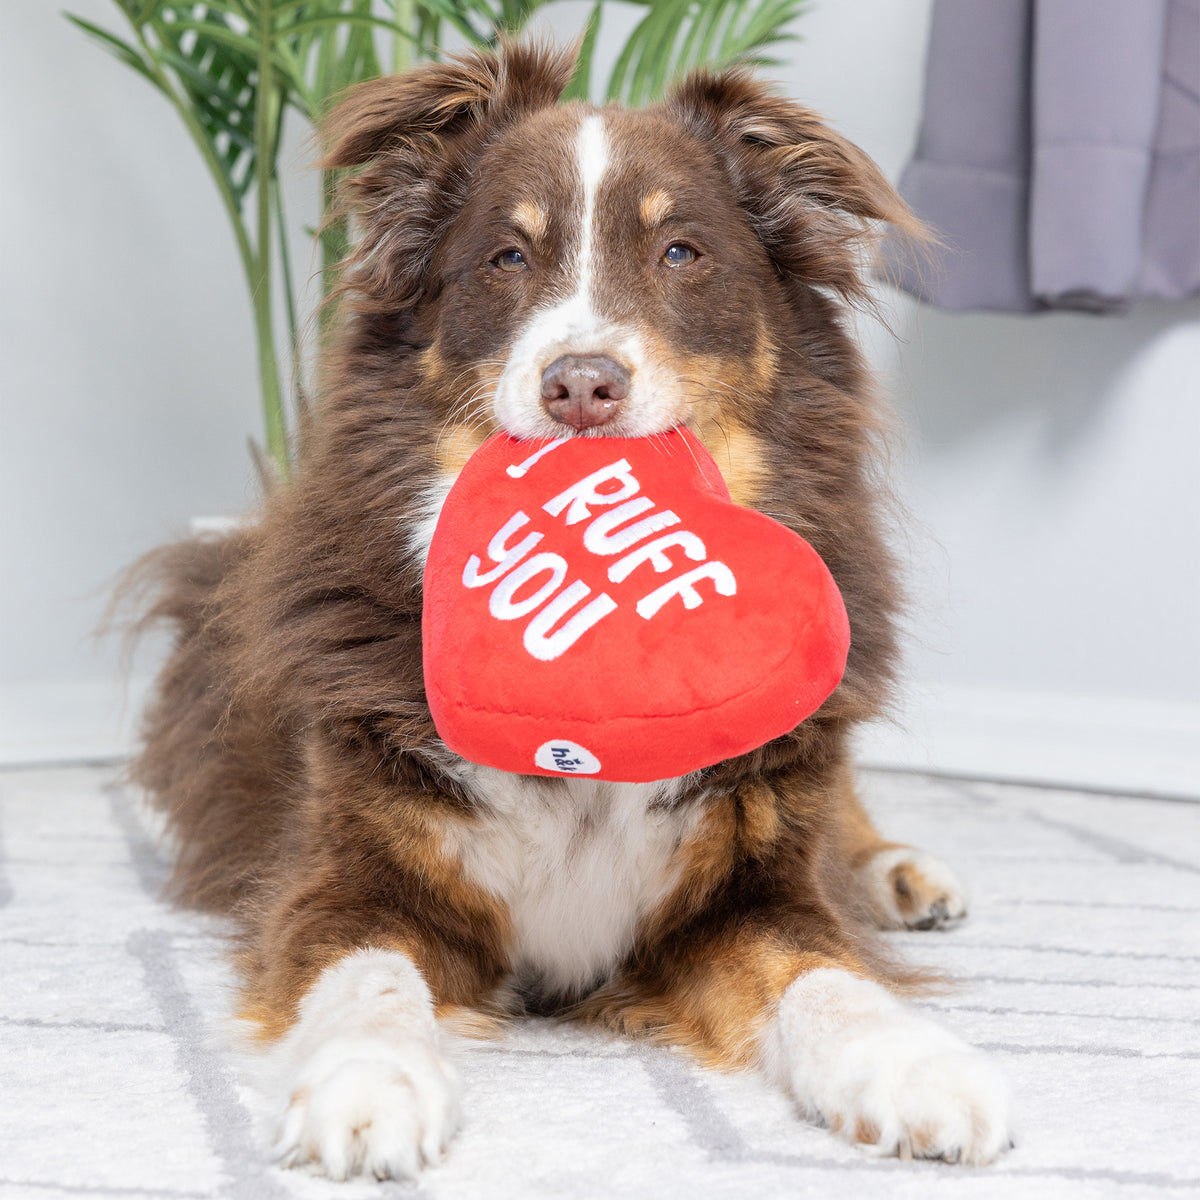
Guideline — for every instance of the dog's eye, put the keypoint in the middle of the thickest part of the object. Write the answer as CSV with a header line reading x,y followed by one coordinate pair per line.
x,y
511,260
678,255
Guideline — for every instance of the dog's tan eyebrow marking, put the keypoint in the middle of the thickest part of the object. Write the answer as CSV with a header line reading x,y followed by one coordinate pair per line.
x,y
655,206
530,219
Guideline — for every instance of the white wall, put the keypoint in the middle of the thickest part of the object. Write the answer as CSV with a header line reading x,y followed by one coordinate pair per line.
x,y
127,378
1050,476
1048,468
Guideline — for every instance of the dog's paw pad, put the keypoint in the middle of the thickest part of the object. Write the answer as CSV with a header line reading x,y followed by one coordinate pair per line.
x,y
373,1106
914,890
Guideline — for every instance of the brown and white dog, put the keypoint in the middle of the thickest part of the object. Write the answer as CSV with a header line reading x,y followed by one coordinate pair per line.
x,y
552,269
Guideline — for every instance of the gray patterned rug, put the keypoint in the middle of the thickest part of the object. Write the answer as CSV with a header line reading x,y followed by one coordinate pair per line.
x,y
1079,970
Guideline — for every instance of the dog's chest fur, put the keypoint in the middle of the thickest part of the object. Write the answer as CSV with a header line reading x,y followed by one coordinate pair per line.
x,y
575,863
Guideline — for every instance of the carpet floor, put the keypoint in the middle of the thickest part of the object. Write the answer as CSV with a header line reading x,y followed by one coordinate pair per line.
x,y
1079,969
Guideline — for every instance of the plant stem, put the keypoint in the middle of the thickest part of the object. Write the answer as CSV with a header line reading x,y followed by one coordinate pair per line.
x,y
289,296
260,290
402,47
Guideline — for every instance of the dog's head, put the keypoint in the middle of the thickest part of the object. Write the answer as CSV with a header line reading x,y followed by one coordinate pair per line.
x,y
568,269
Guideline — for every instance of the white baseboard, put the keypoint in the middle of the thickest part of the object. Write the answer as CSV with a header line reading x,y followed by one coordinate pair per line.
x,y
66,722
1110,744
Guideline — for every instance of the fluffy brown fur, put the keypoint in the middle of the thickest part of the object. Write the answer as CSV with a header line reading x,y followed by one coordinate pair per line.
x,y
289,742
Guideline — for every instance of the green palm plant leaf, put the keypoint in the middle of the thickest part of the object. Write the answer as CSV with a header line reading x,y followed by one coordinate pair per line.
x,y
676,36
459,13
231,68
580,87
122,50
218,82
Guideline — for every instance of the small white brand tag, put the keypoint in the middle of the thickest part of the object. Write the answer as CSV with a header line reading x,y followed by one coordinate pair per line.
x,y
567,758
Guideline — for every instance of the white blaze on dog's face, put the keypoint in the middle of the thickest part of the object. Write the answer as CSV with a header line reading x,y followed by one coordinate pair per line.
x,y
601,279
573,326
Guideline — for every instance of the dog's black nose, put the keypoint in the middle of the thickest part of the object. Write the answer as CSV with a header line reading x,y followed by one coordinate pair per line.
x,y
584,392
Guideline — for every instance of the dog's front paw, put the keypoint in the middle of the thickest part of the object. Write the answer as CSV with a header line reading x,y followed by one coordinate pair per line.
x,y
910,889
382,1106
878,1074
366,1089
908,1088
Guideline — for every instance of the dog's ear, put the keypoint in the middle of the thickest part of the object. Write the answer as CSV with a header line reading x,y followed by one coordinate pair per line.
x,y
414,138
814,197
468,93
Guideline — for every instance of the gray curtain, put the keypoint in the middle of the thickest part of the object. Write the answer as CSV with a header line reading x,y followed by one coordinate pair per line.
x,y
1059,155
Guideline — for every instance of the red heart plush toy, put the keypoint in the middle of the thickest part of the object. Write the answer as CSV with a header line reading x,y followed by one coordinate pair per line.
x,y
599,606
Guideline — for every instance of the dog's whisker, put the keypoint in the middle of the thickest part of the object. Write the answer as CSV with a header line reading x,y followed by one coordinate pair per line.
x,y
470,412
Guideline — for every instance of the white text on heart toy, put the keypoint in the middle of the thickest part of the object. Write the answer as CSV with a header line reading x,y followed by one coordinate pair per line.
x,y
549,604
